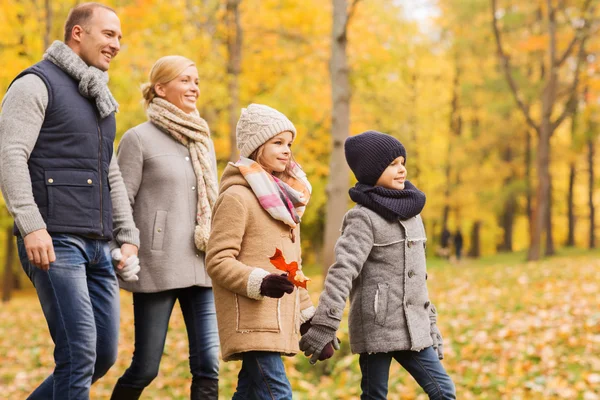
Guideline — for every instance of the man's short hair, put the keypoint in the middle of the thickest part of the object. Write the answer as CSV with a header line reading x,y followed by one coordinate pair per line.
x,y
81,15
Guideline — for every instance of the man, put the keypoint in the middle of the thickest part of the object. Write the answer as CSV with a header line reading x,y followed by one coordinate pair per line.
x,y
63,187
458,244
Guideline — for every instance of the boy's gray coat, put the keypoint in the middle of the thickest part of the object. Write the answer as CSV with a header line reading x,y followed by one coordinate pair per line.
x,y
381,264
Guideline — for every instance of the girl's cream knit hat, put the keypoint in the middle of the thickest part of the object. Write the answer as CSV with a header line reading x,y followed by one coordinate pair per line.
x,y
257,124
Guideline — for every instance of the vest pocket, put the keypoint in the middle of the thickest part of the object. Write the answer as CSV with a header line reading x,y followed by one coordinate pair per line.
x,y
257,315
73,198
381,303
158,233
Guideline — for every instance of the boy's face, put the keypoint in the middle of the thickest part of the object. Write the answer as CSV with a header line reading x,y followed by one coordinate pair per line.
x,y
394,175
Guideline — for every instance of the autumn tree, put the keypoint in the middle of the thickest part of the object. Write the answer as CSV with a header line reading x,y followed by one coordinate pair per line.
x,y
556,94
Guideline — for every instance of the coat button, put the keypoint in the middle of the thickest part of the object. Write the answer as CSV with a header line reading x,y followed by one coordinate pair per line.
x,y
409,243
187,159
193,187
197,255
427,303
159,230
89,181
411,273
408,303
50,180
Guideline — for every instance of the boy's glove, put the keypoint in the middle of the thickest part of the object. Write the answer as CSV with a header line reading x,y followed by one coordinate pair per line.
x,y
328,350
316,342
438,342
132,266
276,286
436,336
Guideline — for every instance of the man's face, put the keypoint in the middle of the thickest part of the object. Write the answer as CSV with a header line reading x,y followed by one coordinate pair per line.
x,y
100,40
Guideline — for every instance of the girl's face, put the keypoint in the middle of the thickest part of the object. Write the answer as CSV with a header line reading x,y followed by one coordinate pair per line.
x,y
394,175
277,152
182,91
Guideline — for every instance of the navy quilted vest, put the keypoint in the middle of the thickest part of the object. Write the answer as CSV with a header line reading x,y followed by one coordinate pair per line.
x,y
69,163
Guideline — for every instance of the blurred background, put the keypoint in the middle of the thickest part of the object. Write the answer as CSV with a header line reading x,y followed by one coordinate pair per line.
x,y
497,103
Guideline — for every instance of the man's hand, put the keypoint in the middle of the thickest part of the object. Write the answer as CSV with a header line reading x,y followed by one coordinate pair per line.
x,y
126,251
40,250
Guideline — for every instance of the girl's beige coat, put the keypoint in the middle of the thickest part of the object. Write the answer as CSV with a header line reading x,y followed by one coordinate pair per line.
x,y
243,238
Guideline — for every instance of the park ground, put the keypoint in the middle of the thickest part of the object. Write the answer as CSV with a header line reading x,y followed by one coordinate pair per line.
x,y
512,330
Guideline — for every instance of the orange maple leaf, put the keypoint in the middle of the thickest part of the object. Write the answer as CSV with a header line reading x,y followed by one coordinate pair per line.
x,y
295,274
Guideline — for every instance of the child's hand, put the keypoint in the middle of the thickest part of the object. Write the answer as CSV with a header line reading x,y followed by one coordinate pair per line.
x,y
329,348
438,342
276,286
319,343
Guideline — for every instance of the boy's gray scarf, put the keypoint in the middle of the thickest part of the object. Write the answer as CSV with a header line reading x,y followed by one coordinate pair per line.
x,y
92,81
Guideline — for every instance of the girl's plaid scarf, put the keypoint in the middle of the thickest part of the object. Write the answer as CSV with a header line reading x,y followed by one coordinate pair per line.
x,y
284,201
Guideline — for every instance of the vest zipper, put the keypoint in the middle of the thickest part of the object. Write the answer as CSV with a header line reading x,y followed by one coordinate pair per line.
x,y
100,174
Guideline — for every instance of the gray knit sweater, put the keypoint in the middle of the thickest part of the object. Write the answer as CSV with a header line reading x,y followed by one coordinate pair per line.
x,y
23,112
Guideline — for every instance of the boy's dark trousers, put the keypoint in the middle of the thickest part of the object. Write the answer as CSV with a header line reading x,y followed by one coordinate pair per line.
x,y
423,365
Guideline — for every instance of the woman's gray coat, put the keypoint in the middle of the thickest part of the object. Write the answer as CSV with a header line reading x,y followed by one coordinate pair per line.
x,y
161,185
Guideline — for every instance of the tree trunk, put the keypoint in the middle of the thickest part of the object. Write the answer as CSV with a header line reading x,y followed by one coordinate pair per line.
x,y
455,130
550,250
475,250
234,65
510,205
48,31
590,160
337,185
9,257
529,191
542,193
414,153
507,221
570,207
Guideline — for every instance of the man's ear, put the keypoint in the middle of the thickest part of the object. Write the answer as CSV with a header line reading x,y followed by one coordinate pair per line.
x,y
77,33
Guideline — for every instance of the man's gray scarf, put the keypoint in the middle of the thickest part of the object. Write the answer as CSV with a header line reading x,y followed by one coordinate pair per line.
x,y
92,81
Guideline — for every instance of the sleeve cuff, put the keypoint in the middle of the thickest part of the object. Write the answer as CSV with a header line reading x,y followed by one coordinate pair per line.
x,y
254,281
129,236
307,314
31,222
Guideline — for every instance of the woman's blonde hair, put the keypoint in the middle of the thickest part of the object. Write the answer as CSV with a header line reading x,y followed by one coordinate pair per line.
x,y
164,71
287,172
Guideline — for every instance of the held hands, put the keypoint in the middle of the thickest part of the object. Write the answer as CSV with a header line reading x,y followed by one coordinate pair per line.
x,y
40,250
274,285
319,342
127,250
126,267
438,342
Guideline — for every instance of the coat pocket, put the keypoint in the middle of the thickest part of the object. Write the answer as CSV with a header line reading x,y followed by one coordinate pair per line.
x,y
381,303
73,197
257,315
158,232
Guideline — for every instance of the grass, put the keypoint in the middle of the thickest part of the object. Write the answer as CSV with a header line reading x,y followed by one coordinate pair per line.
x,y
512,330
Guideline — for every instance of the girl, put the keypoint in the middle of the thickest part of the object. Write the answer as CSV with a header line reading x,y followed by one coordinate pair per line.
x,y
255,220
380,262
169,167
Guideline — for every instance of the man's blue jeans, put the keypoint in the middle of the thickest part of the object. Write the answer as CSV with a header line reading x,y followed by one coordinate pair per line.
x,y
423,365
152,312
262,377
79,295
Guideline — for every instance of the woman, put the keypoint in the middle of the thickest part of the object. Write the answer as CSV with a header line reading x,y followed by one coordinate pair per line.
x,y
169,168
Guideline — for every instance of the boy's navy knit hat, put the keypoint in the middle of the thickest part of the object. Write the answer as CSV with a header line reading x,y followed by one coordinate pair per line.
x,y
369,154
